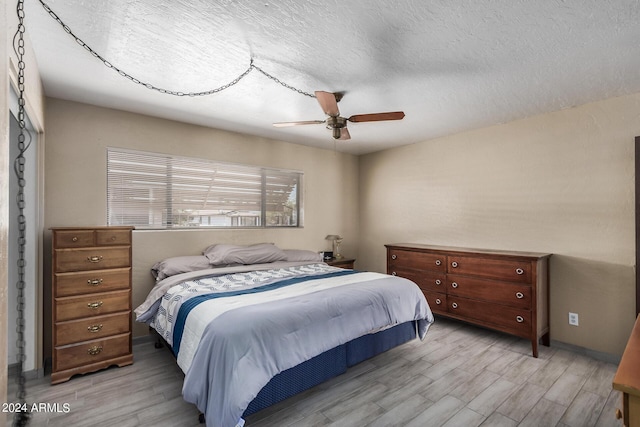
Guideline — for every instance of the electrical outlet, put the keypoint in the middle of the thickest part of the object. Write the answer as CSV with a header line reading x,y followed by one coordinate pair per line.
x,y
573,319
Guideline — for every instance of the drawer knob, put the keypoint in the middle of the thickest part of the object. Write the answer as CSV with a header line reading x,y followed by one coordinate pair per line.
x,y
438,301
394,256
519,295
96,304
454,264
454,305
96,349
438,282
94,328
519,271
438,262
454,285
94,282
113,238
519,319
95,258
393,273
75,239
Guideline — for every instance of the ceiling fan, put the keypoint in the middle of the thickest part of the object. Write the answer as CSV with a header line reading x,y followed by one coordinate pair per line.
x,y
329,103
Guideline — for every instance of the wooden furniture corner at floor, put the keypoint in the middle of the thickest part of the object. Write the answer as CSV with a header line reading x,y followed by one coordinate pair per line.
x,y
503,290
627,380
91,297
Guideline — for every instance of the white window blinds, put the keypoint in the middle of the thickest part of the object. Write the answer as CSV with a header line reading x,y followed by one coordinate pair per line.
x,y
152,190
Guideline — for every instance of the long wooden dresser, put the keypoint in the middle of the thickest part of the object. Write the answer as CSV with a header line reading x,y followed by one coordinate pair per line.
x,y
502,290
91,298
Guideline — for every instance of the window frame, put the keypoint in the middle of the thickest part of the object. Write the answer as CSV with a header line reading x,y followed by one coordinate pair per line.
x,y
167,211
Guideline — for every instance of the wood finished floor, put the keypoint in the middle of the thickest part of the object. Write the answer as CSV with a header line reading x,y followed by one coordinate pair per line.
x,y
460,376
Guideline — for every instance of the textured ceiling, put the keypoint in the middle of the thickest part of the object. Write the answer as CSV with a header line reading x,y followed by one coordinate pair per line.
x,y
449,65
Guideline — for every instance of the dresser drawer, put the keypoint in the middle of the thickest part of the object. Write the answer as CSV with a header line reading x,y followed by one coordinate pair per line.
x,y
69,308
108,237
437,301
507,293
91,328
426,280
508,319
88,352
78,283
495,268
416,260
97,258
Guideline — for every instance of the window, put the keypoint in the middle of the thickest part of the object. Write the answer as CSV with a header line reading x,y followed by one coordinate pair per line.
x,y
150,190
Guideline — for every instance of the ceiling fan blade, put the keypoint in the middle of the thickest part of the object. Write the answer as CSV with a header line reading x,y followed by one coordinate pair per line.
x,y
304,122
375,117
344,134
327,101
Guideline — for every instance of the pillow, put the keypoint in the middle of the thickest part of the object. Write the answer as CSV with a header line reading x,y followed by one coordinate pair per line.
x,y
180,264
253,254
302,255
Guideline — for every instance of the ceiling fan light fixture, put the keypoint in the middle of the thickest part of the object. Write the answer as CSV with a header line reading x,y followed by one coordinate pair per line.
x,y
337,133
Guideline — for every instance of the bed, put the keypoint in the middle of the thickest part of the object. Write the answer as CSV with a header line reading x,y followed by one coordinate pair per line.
x,y
252,325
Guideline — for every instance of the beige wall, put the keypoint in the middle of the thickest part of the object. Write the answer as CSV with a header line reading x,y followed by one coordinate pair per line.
x,y
561,183
75,184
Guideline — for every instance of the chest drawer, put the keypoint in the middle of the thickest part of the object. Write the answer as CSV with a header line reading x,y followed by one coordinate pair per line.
x,y
108,237
73,239
70,308
416,260
96,258
494,268
91,328
77,283
507,293
89,352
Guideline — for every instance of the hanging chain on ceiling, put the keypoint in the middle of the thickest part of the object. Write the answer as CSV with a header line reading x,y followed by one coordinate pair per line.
x,y
123,73
21,418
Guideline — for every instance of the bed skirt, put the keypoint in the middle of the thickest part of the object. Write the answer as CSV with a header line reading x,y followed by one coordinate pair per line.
x,y
329,364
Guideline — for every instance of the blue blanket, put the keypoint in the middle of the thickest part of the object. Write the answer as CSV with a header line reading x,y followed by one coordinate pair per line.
x,y
230,343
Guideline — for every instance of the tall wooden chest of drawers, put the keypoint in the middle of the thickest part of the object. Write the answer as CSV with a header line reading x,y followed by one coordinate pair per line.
x,y
91,297
502,290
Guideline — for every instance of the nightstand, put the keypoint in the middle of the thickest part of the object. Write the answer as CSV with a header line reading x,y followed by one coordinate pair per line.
x,y
342,262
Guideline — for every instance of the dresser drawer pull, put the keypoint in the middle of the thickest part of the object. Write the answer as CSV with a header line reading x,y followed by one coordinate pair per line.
x,y
519,295
454,285
454,305
95,258
96,349
94,328
519,271
393,273
519,319
96,304
438,282
94,282
454,264
75,239
394,256
438,262
438,301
